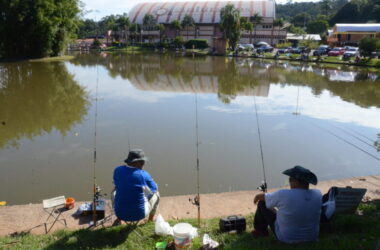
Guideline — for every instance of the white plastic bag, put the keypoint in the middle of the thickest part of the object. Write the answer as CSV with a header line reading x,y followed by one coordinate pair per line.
x,y
328,208
162,227
210,243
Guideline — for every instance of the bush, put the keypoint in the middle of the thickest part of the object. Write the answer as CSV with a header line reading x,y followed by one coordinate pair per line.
x,y
96,44
283,45
178,41
197,43
368,45
311,44
115,44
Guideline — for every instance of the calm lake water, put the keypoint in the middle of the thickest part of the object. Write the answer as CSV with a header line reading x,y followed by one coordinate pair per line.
x,y
326,118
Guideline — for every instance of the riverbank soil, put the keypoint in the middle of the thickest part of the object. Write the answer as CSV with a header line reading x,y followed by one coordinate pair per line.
x,y
30,218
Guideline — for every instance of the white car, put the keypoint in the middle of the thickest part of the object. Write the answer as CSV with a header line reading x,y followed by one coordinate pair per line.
x,y
352,51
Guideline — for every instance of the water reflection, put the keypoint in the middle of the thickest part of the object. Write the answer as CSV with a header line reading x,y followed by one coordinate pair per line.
x,y
242,77
36,98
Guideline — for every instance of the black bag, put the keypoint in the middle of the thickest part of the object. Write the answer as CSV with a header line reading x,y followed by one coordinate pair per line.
x,y
232,223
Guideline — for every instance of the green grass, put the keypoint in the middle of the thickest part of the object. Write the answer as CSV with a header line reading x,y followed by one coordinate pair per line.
x,y
344,232
52,59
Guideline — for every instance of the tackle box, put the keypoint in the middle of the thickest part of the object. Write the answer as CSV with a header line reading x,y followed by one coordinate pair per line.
x,y
232,223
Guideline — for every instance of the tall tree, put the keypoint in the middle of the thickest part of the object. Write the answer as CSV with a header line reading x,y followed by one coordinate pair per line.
x,y
161,29
149,23
276,23
37,28
230,24
187,22
177,26
256,19
123,24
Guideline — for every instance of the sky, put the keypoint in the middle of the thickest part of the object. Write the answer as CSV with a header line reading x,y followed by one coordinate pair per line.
x,y
96,9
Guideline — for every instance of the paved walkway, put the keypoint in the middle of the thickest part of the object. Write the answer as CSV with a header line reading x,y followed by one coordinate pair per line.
x,y
30,218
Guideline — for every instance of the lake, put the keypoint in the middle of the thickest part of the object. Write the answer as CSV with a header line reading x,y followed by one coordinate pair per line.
x,y
323,117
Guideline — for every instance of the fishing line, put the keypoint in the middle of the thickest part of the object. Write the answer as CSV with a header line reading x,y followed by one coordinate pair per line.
x,y
371,140
344,140
263,187
356,137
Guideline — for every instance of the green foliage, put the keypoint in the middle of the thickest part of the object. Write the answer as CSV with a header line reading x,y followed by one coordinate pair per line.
x,y
178,41
188,22
198,44
358,11
230,24
283,45
368,45
311,44
317,27
36,28
296,30
96,43
301,19
87,29
149,20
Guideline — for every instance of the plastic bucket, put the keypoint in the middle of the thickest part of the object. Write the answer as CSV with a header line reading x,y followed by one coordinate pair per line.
x,y
70,203
182,235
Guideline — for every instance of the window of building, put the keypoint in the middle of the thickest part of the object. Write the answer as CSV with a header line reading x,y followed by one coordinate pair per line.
x,y
348,37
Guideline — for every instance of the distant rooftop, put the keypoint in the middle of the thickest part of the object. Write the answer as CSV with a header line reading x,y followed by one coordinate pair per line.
x,y
291,36
360,27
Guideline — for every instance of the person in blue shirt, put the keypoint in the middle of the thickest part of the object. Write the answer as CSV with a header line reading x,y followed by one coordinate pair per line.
x,y
136,194
292,214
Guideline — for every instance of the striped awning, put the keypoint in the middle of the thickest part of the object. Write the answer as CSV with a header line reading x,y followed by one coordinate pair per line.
x,y
203,12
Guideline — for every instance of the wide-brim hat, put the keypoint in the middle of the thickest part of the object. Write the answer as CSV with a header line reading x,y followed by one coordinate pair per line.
x,y
135,155
303,174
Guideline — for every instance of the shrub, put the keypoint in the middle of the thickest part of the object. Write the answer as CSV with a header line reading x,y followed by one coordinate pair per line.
x,y
283,45
178,41
197,43
368,45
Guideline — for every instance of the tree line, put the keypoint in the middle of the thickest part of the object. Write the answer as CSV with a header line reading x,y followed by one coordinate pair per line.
x,y
37,28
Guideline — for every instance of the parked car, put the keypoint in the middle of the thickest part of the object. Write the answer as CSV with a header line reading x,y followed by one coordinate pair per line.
x,y
337,51
322,50
299,50
264,48
284,50
352,51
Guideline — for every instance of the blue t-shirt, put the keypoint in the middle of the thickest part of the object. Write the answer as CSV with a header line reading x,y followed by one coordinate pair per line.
x,y
298,214
130,183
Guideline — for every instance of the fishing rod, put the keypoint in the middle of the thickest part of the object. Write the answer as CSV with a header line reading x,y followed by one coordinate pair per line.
x,y
263,187
197,199
96,189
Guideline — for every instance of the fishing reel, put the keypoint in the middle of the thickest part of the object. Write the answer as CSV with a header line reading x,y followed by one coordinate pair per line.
x,y
97,193
263,187
195,201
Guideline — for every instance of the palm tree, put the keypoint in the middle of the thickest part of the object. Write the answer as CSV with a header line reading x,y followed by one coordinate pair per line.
x,y
148,21
256,19
161,29
176,25
276,23
187,22
123,24
249,27
230,24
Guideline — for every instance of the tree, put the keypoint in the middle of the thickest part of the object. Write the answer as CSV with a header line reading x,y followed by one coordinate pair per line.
x,y
161,29
368,45
326,7
149,22
230,24
301,19
276,23
177,26
123,24
37,28
256,19
87,28
317,27
248,26
187,22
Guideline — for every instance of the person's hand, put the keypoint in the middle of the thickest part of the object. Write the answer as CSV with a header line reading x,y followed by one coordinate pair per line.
x,y
258,197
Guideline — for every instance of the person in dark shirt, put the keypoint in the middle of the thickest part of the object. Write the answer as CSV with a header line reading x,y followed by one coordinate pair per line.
x,y
136,193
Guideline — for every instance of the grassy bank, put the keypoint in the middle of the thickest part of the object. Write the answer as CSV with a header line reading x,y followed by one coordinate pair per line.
x,y
52,59
356,231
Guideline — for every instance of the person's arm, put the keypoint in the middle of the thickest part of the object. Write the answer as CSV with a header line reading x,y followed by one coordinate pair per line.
x,y
259,197
150,182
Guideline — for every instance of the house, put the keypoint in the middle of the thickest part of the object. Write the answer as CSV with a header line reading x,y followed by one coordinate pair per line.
x,y
351,33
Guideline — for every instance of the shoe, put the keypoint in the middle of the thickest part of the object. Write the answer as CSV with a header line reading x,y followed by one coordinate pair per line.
x,y
257,234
